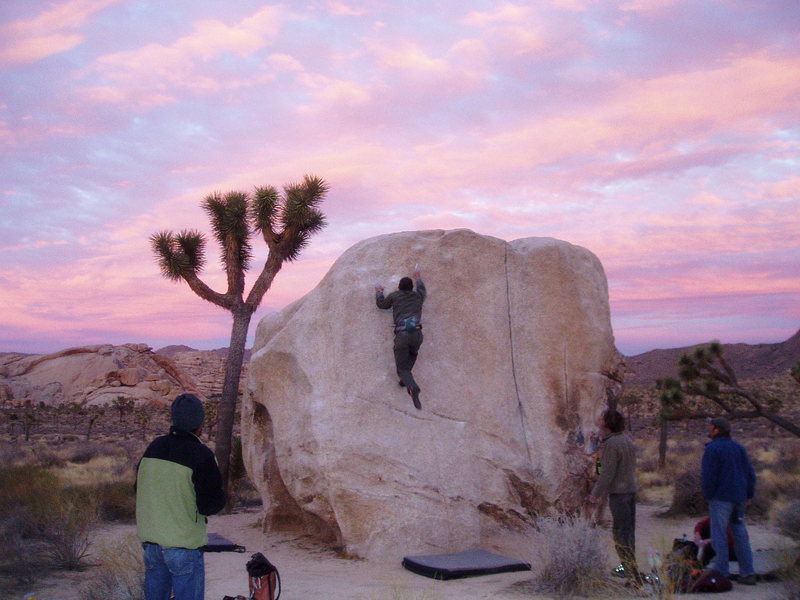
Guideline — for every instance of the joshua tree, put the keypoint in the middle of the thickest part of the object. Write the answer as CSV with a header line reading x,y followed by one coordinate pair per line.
x,y
704,372
123,405
286,222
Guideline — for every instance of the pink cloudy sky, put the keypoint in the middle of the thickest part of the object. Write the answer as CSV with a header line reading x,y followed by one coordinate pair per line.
x,y
662,135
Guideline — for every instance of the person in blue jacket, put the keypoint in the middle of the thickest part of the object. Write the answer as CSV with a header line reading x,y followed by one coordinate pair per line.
x,y
728,481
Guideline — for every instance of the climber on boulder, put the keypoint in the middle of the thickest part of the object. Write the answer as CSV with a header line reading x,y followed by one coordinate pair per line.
x,y
406,304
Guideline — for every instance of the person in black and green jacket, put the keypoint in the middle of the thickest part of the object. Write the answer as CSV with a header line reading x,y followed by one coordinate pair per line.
x,y
178,484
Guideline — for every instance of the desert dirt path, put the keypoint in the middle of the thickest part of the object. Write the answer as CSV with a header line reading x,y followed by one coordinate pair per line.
x,y
310,571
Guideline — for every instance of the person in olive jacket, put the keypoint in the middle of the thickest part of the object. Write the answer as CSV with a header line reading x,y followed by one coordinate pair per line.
x,y
178,484
617,480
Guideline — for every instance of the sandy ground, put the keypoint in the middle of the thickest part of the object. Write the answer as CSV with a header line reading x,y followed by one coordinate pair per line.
x,y
312,572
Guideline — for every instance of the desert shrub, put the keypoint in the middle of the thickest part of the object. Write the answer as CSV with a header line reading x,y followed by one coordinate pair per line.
x,y
21,560
55,519
31,488
49,460
120,575
687,496
788,520
572,555
789,588
84,453
12,454
789,459
117,501
66,528
771,491
24,495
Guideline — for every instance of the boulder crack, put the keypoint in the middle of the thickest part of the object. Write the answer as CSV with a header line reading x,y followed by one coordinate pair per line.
x,y
522,419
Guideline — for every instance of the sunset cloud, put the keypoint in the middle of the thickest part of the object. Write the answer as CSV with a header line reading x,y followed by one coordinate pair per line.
x,y
662,136
51,31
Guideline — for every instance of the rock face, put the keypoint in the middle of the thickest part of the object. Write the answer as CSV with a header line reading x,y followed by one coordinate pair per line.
x,y
92,375
516,366
205,367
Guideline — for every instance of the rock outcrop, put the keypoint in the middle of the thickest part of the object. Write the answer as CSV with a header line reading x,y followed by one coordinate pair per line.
x,y
205,367
517,364
92,375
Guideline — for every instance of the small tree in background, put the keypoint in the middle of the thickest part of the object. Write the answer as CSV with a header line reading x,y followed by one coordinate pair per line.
x,y
123,405
705,373
286,222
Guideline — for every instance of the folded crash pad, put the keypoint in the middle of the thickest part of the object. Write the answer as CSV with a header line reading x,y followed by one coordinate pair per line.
x,y
219,543
463,564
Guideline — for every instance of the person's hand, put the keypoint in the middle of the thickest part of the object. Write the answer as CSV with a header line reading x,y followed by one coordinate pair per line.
x,y
378,287
417,271
594,499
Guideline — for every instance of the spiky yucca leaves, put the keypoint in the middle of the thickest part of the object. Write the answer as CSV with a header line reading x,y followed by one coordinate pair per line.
x,y
287,223
229,222
179,255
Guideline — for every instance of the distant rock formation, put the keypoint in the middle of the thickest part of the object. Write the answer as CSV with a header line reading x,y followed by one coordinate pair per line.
x,y
92,375
749,361
517,364
205,367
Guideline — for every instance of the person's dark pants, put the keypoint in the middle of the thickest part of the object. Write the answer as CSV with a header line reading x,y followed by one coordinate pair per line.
x,y
406,348
623,515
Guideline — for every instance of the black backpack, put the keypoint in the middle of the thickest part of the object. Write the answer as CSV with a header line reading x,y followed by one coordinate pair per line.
x,y
263,578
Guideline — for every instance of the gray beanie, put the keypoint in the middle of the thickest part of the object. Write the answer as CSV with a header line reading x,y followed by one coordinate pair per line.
x,y
187,412
722,425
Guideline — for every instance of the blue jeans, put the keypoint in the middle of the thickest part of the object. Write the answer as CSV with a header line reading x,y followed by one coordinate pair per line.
x,y
730,513
175,570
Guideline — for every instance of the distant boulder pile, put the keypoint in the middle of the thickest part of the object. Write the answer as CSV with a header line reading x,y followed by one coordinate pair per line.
x,y
92,375
205,367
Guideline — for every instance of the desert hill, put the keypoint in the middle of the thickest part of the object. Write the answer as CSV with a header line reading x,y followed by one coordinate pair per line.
x,y
749,361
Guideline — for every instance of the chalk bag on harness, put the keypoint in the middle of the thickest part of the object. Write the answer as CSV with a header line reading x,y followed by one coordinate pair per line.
x,y
263,577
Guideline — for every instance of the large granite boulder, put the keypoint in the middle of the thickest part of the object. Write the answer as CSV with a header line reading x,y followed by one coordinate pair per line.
x,y
516,367
92,375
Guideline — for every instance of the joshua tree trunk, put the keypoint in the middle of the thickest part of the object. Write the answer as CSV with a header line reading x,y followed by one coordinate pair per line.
x,y
662,443
230,388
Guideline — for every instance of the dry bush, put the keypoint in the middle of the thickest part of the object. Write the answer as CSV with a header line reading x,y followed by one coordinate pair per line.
x,y
67,527
57,521
12,455
120,575
573,557
687,496
50,459
116,501
85,453
789,588
788,520
21,559
24,494
789,459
